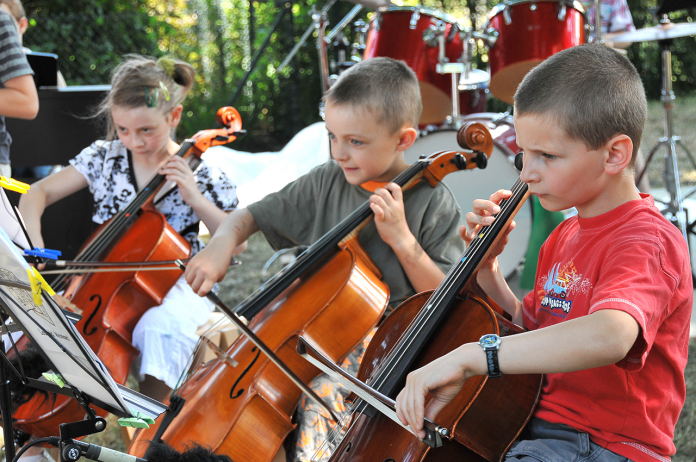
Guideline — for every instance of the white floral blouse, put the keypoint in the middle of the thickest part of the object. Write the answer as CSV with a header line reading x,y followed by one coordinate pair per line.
x,y
106,166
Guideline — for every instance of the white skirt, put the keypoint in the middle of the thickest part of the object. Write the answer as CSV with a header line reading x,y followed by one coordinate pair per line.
x,y
166,334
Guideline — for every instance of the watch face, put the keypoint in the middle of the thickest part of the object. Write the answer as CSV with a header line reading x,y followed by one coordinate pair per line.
x,y
490,341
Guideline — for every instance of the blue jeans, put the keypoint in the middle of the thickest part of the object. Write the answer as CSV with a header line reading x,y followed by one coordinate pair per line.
x,y
547,442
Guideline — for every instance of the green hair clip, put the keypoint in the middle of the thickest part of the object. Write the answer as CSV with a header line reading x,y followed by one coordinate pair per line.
x,y
165,91
151,96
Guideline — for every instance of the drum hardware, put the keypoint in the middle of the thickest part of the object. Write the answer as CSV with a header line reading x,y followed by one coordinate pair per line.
x,y
664,33
488,37
319,23
359,36
562,10
597,36
415,16
341,45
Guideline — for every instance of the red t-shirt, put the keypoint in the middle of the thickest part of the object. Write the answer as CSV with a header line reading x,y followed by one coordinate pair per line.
x,y
633,260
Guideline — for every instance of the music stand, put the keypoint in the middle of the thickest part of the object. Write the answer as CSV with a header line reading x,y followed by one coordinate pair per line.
x,y
86,378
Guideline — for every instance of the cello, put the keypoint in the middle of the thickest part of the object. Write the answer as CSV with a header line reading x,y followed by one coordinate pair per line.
x,y
487,415
246,411
113,302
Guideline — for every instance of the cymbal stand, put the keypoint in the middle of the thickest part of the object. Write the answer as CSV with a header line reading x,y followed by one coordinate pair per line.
x,y
438,32
674,209
319,23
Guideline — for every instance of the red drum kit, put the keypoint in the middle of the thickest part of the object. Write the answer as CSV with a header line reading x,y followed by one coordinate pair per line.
x,y
519,34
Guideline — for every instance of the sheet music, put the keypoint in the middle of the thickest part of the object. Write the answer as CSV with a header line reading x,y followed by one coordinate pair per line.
x,y
81,368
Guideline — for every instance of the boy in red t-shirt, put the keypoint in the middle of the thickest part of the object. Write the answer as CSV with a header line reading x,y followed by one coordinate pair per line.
x,y
609,314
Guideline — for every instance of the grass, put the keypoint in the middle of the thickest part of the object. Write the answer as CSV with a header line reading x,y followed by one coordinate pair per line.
x,y
242,280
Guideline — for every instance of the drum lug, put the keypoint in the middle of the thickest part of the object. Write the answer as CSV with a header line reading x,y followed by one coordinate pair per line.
x,y
415,16
562,11
377,21
507,15
430,36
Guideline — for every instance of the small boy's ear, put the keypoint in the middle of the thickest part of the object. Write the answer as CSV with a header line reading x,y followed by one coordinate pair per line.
x,y
407,138
619,154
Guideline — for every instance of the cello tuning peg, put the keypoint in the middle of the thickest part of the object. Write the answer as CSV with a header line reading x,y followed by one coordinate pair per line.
x,y
519,160
481,160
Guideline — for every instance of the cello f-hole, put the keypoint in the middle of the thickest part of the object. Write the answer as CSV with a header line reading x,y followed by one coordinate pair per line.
x,y
253,361
99,302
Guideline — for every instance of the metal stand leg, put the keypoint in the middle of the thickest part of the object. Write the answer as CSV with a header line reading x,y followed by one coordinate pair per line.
x,y
674,209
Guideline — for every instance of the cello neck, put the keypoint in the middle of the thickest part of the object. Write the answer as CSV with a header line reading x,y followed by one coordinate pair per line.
x,y
400,359
327,245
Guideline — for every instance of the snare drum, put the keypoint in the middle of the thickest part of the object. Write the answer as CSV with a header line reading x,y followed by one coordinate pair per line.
x,y
480,184
528,32
398,32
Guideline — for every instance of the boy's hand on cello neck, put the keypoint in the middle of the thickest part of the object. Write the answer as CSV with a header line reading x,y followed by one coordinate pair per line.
x,y
210,264
388,206
390,218
489,277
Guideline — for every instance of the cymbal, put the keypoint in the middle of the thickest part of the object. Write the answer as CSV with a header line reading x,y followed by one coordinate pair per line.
x,y
372,4
662,32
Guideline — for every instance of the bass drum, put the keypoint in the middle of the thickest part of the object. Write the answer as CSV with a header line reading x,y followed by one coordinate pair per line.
x,y
480,184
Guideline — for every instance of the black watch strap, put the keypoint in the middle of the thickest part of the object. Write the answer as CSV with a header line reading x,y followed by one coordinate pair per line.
x,y
492,363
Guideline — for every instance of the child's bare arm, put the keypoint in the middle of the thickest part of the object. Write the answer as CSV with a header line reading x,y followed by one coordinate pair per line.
x,y
210,264
490,278
388,206
44,193
599,339
19,98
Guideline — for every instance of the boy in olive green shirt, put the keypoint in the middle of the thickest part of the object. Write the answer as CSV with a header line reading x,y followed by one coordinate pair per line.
x,y
372,112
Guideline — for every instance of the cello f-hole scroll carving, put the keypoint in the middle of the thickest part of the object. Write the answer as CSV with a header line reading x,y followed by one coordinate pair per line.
x,y
248,368
96,309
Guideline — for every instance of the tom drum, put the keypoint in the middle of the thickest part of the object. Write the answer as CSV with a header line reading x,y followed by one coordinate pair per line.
x,y
527,33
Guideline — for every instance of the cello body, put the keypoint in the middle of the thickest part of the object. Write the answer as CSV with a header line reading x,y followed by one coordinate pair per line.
x,y
112,305
332,294
245,411
483,419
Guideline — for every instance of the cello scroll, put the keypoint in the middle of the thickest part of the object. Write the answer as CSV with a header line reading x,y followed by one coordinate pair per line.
x,y
473,137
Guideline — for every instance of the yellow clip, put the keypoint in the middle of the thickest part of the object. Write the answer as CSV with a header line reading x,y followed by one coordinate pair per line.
x,y
14,185
38,283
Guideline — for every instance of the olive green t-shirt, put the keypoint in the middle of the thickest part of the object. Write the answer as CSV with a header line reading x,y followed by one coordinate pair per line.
x,y
306,209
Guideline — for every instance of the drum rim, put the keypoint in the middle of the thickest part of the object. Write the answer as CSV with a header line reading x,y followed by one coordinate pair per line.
x,y
501,6
430,11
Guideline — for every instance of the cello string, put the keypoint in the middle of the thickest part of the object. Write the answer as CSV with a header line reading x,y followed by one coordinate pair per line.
x,y
399,353
106,236
413,331
436,299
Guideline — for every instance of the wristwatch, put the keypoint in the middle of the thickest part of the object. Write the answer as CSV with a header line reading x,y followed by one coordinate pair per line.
x,y
491,344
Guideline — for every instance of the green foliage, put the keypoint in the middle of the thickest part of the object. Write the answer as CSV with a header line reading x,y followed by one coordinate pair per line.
x,y
220,38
